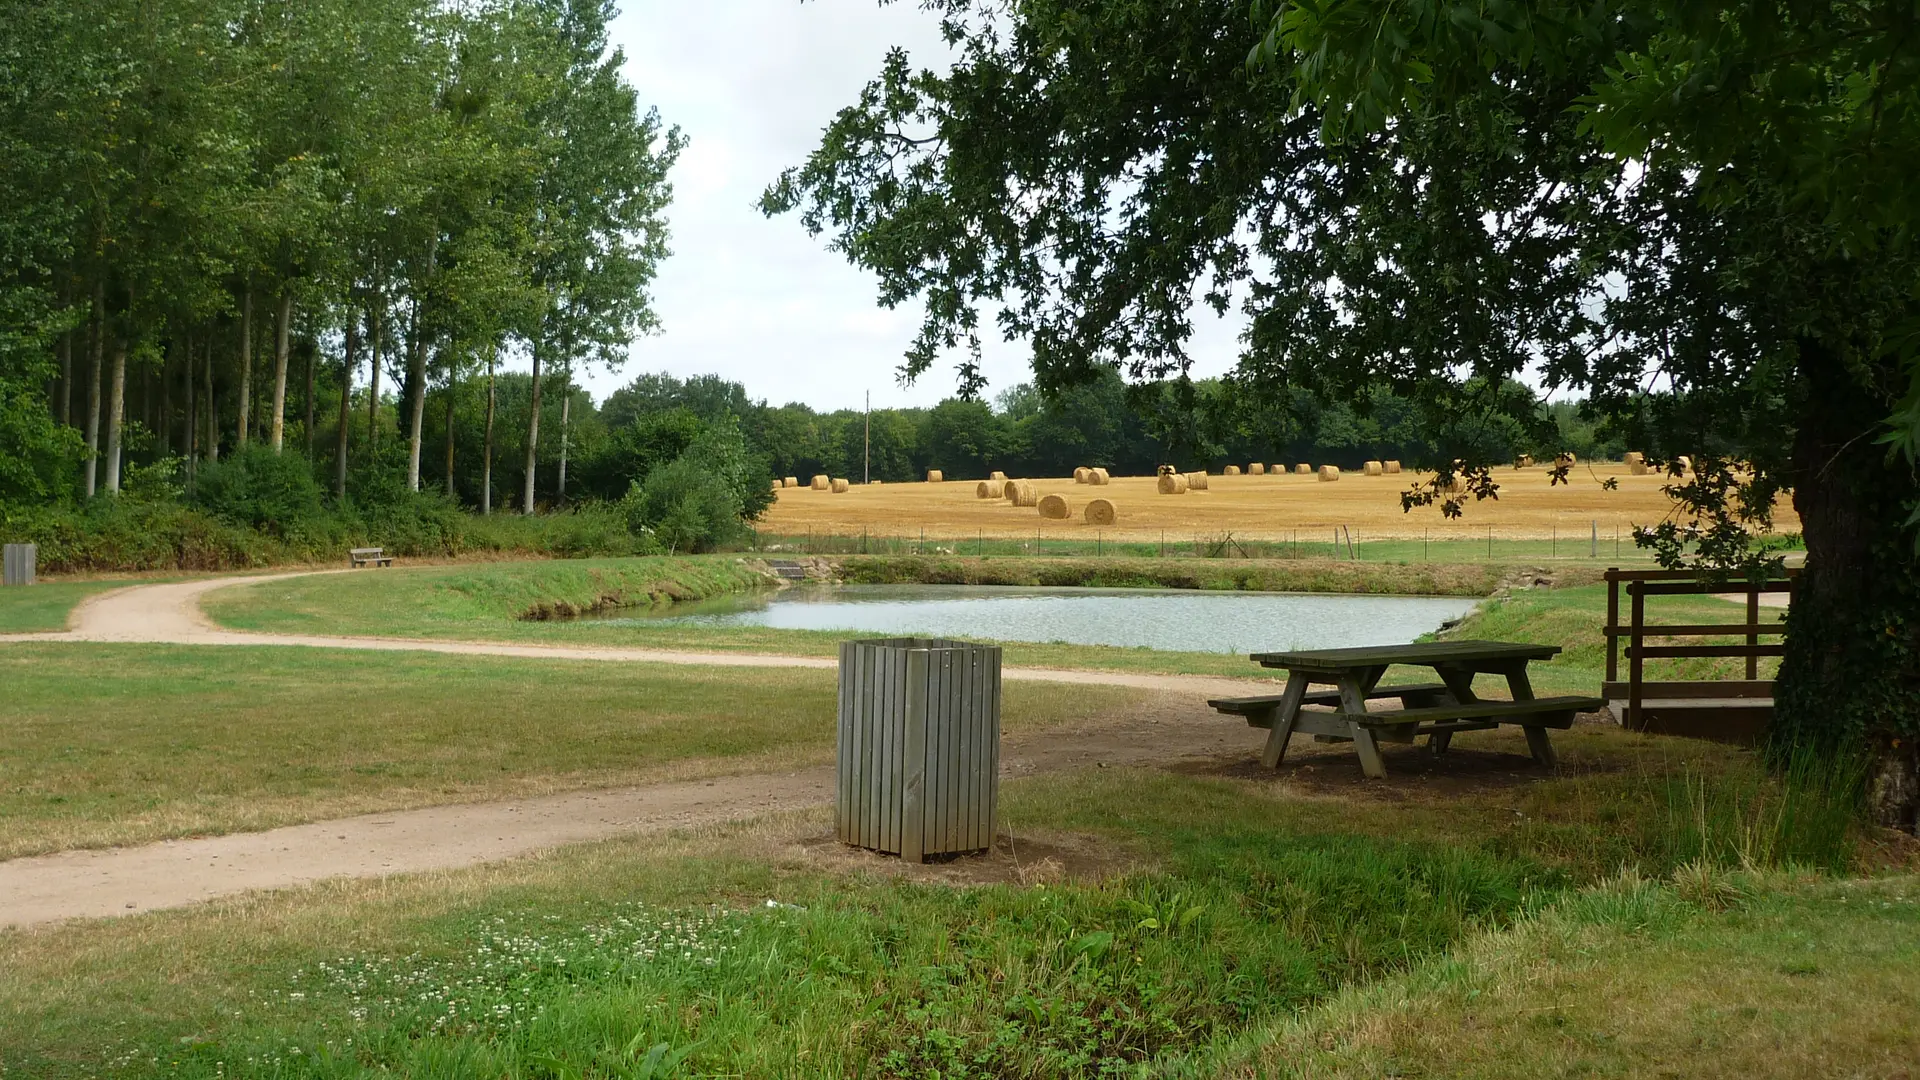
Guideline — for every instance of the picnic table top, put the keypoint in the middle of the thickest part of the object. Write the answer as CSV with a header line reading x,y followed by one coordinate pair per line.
x,y
1425,653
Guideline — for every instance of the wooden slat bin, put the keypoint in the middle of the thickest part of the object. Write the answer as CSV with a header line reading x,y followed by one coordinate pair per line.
x,y
19,564
919,746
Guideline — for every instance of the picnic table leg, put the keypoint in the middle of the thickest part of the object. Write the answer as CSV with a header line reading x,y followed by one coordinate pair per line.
x,y
1283,718
1353,699
1539,743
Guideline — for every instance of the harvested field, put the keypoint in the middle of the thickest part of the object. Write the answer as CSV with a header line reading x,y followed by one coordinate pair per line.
x,y
1271,507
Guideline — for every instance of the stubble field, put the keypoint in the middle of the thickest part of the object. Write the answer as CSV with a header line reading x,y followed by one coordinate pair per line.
x,y
1271,507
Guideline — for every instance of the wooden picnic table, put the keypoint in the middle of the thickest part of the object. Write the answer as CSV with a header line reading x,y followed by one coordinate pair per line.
x,y
1436,710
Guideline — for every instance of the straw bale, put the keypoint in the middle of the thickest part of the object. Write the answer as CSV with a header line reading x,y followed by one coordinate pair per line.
x,y
791,481
1685,463
1023,493
1303,469
935,476
1232,470
1374,468
841,487
1392,467
1197,481
990,489
1173,484
1329,473
1564,460
1257,469
1098,477
997,475
1055,507
1524,461
1100,512
823,483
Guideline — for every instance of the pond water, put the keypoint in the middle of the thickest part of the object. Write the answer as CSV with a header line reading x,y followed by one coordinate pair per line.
x,y
1156,619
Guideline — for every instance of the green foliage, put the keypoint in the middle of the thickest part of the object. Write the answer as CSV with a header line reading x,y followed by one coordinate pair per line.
x,y
685,507
259,488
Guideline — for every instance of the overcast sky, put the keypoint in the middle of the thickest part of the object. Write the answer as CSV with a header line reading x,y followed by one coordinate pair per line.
x,y
752,83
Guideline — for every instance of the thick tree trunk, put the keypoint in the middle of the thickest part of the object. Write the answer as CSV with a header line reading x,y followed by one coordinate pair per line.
x,y
416,397
376,334
486,467
192,442
211,410
280,339
566,432
1852,669
116,412
96,347
346,409
533,435
450,491
165,428
246,366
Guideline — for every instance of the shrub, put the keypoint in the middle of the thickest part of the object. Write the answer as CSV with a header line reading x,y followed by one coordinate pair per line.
x,y
684,508
259,488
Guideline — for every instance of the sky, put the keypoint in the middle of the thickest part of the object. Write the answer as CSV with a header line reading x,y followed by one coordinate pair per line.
x,y
752,83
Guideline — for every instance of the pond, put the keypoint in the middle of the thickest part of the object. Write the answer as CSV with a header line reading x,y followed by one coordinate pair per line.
x,y
1181,621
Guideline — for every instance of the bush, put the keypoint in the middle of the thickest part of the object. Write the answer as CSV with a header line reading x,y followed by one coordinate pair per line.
x,y
684,508
259,488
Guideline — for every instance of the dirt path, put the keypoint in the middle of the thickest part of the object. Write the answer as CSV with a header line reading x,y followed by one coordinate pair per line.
x,y
78,884
170,615
126,881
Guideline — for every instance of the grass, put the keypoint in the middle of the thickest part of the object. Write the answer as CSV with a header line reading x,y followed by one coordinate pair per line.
x,y
111,745
1216,575
1227,929
45,607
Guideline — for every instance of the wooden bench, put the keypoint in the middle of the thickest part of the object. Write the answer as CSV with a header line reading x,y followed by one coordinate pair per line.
x,y
1535,715
360,557
1261,711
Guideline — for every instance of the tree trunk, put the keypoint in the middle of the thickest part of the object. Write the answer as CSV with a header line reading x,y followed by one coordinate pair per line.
x,y
246,365
210,410
566,430
486,467
280,339
311,350
346,408
96,346
416,396
450,491
66,377
1852,669
116,412
165,428
192,442
533,435
376,332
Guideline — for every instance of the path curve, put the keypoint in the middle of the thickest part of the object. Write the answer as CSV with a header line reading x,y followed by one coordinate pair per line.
x,y
170,614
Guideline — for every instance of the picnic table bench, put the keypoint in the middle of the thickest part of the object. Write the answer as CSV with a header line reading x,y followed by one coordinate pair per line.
x,y
1435,710
369,556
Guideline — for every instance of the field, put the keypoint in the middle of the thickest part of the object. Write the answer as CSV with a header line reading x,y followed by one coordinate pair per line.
x,y
1276,508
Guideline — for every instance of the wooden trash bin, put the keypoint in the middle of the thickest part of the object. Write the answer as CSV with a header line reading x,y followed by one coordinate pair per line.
x,y
918,746
21,564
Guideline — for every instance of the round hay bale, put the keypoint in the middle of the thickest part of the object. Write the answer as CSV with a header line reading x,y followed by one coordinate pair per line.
x,y
1100,512
1165,470
1080,474
1685,463
778,486
1231,470
990,489
1329,473
1564,461
1099,477
791,481
1055,507
1374,468
841,487
1023,493
1635,457
1173,484
997,475
1392,467
1524,461
935,476
1257,469
823,483
1197,481
1303,469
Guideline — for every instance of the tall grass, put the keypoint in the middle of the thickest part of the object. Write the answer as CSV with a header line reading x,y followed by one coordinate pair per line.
x,y
1805,816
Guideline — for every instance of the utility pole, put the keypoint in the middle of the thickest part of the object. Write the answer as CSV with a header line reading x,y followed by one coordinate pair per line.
x,y
866,467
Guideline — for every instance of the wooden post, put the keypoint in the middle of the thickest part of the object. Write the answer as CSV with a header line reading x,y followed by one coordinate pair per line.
x,y
1635,662
1753,633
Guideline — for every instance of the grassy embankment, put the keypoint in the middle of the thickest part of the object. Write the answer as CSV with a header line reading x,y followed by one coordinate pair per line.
x,y
107,745
1178,925
45,607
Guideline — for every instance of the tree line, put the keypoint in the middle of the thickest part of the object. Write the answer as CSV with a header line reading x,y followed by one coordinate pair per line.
x,y
265,223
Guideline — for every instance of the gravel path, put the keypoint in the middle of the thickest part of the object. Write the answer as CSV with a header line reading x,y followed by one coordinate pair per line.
x,y
82,884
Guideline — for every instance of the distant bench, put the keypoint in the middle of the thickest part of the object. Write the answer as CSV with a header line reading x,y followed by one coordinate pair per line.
x,y
360,557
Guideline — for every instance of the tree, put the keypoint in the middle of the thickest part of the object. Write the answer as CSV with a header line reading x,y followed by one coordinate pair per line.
x,y
1441,198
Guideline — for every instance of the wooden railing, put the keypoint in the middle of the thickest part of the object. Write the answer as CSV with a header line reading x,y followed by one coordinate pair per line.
x,y
1745,705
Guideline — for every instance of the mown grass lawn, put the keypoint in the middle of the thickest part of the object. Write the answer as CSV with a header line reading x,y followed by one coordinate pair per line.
x,y
1233,931
111,744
